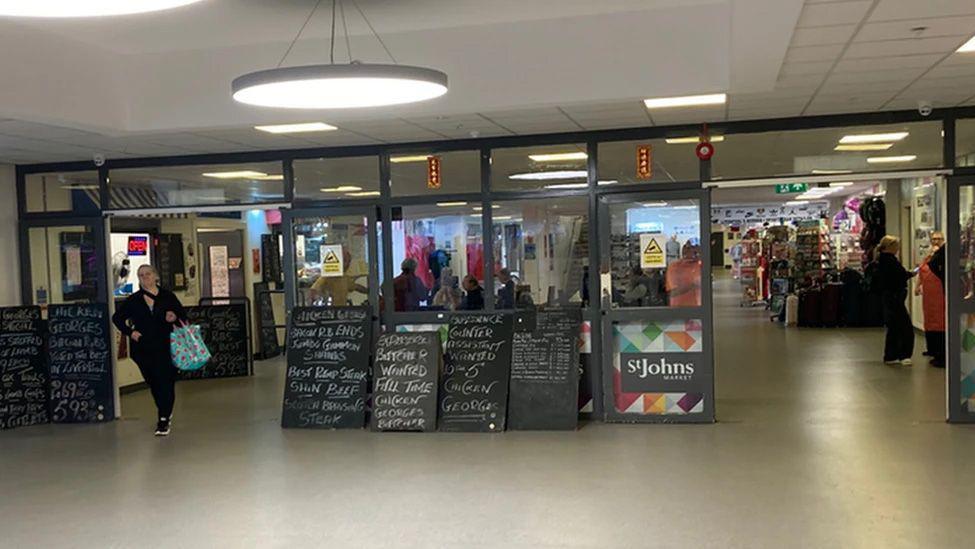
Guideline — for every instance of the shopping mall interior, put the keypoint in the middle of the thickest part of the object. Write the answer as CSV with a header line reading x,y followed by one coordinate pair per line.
x,y
435,274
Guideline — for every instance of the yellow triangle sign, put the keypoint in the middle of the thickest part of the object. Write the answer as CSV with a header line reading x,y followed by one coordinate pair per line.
x,y
653,247
331,258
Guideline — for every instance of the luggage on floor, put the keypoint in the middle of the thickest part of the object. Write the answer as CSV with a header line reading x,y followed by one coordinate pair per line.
x,y
852,298
830,305
810,308
791,310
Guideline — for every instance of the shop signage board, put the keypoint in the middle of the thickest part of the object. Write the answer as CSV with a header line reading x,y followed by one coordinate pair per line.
x,y
328,366
268,344
477,361
433,173
791,188
332,260
82,387
644,162
664,372
544,390
224,330
23,368
652,254
405,375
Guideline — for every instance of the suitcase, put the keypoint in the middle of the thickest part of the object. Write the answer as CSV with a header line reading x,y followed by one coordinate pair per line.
x,y
791,310
831,305
810,308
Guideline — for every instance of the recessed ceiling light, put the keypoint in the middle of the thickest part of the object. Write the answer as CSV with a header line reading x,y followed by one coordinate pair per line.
x,y
502,218
655,205
968,47
891,159
240,174
85,8
829,172
341,189
276,177
692,140
450,204
873,137
796,202
686,101
545,176
80,187
481,208
365,193
864,147
415,158
297,128
841,184
557,157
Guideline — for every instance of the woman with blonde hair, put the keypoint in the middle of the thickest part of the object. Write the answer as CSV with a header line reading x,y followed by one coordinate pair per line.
x,y
147,318
891,280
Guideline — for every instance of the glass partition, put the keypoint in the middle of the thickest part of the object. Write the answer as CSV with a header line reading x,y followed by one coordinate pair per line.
x,y
75,192
441,173
63,265
890,147
207,185
337,178
332,257
965,143
648,161
543,167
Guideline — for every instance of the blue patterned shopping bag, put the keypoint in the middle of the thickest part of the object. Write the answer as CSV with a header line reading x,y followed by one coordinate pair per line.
x,y
187,348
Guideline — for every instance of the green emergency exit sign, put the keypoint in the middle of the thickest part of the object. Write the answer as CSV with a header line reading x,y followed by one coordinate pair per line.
x,y
791,188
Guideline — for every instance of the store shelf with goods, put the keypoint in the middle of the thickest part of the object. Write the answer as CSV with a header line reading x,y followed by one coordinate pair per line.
x,y
814,252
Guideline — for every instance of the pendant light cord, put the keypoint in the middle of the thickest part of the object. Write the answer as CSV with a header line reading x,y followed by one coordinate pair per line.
x,y
348,44
345,27
374,33
331,49
302,29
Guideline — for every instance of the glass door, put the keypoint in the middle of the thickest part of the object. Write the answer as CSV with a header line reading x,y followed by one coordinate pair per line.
x,y
655,296
961,299
63,261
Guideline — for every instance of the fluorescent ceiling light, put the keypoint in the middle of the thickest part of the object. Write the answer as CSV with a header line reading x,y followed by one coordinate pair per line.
x,y
341,189
873,137
967,47
339,86
557,157
830,172
80,187
891,159
297,128
655,204
85,8
501,218
842,184
609,182
240,174
415,158
796,202
481,208
864,147
686,101
449,204
693,140
277,177
545,176
579,185
365,193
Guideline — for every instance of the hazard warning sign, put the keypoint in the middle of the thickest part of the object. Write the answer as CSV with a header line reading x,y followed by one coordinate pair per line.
x,y
332,260
652,254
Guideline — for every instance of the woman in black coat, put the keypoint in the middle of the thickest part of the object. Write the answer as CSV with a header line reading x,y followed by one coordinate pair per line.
x,y
892,279
147,318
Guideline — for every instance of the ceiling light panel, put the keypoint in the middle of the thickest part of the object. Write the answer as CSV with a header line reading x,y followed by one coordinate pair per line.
x,y
874,137
968,47
864,147
297,128
686,101
240,174
891,159
85,8
692,140
558,157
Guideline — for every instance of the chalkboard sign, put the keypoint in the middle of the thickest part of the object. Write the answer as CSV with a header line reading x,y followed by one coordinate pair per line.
x,y
545,372
170,260
267,336
224,330
405,376
82,388
477,358
23,368
271,259
328,368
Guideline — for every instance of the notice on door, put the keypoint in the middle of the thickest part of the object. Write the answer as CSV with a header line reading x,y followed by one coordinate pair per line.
x,y
332,261
652,254
219,271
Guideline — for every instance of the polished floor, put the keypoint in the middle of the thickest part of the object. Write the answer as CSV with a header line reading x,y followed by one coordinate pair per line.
x,y
818,445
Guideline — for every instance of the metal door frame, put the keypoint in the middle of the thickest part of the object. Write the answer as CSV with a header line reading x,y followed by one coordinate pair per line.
x,y
608,315
956,306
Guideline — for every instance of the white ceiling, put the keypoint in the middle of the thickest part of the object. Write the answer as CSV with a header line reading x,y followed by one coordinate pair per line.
x,y
156,85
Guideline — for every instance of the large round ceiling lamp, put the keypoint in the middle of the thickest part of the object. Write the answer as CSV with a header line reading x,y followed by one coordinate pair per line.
x,y
339,86
85,8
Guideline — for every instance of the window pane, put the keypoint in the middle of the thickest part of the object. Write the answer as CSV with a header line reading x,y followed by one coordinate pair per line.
x,y
965,143
64,265
889,147
337,178
210,185
444,245
966,212
674,161
75,192
460,172
332,255
544,247
655,254
550,167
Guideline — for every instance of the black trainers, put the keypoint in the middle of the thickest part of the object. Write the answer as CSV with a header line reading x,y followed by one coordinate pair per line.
x,y
162,427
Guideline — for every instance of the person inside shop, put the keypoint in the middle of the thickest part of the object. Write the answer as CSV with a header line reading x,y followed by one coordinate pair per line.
x,y
474,294
448,296
672,249
683,279
334,291
506,295
147,318
409,291
891,279
637,288
931,288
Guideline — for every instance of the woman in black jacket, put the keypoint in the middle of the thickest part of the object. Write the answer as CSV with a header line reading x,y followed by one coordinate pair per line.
x,y
147,318
892,279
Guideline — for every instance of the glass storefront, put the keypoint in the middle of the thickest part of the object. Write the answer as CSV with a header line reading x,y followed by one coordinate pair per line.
x,y
648,161
207,185
544,167
332,255
70,192
412,174
337,178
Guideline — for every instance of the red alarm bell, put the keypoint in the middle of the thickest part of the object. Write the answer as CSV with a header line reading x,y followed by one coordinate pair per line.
x,y
704,150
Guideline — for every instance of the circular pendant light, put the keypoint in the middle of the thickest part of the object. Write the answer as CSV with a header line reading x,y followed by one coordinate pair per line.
x,y
339,86
85,8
